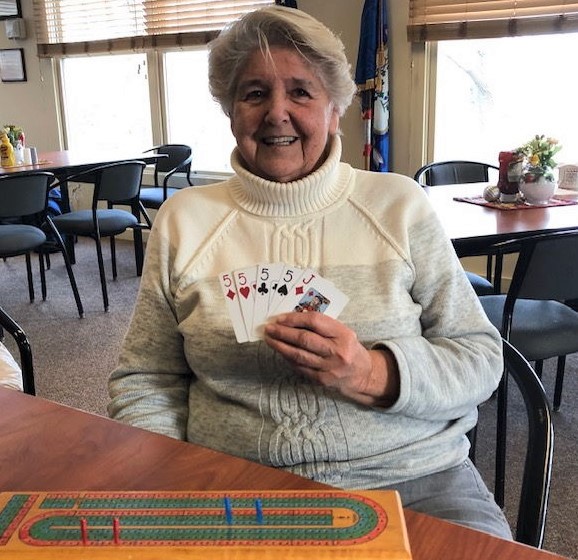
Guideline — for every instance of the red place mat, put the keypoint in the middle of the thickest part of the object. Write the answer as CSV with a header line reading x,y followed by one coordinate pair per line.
x,y
518,205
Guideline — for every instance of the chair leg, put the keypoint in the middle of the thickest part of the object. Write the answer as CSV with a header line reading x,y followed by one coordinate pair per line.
x,y
138,250
559,382
137,208
70,248
539,366
145,215
29,276
42,274
501,433
113,256
101,271
68,266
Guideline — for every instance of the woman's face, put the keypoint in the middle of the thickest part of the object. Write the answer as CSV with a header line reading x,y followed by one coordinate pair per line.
x,y
282,116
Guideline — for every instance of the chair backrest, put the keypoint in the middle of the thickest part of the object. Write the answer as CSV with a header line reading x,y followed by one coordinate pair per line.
x,y
24,194
453,172
179,159
537,474
546,269
117,182
26,363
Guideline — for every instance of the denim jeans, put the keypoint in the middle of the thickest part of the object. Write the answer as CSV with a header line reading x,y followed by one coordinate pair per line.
x,y
459,495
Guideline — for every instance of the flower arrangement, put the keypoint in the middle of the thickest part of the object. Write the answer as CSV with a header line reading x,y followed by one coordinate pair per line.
x,y
15,134
538,154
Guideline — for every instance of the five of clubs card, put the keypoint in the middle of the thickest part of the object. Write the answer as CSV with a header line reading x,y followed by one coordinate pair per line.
x,y
258,292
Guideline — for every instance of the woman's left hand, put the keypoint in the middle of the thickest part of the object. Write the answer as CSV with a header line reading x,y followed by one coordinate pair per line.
x,y
326,351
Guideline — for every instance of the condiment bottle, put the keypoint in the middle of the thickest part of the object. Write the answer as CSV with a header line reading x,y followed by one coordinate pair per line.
x,y
7,158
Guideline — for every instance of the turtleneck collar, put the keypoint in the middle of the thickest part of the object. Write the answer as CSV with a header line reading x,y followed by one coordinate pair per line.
x,y
309,195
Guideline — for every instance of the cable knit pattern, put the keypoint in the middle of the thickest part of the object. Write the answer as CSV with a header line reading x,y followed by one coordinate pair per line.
x,y
182,373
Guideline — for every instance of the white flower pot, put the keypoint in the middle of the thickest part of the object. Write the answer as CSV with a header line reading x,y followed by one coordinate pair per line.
x,y
539,191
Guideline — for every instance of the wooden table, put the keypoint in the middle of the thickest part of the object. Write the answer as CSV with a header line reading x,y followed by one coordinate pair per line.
x,y
71,161
68,162
45,446
472,227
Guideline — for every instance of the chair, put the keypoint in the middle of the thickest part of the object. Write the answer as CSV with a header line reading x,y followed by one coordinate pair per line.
x,y
179,160
533,315
537,472
115,183
26,362
23,208
452,173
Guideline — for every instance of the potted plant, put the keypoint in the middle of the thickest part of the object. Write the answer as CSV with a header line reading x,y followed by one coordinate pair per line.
x,y
537,182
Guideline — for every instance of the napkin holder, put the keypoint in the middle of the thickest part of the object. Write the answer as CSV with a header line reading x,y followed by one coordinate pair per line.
x,y
568,177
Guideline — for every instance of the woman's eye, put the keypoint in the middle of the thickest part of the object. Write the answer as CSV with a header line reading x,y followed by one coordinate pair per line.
x,y
300,92
254,94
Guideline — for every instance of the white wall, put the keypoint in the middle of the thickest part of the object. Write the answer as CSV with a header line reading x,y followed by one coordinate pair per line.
x,y
30,104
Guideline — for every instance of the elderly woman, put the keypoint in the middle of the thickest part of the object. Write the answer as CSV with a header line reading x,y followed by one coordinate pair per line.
x,y
381,397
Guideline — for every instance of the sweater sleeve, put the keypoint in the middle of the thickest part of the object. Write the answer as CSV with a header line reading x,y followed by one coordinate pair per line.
x,y
10,374
150,386
456,362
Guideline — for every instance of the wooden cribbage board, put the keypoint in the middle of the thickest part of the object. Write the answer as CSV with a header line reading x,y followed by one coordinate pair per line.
x,y
264,525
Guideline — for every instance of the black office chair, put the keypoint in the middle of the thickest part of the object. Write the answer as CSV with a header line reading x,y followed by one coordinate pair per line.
x,y
26,363
25,219
537,472
115,183
461,171
533,315
178,161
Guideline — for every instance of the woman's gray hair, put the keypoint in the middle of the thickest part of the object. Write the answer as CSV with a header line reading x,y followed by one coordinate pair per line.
x,y
284,27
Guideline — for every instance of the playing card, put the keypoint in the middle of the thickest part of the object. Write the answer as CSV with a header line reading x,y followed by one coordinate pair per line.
x,y
267,276
229,291
320,295
287,279
245,280
303,282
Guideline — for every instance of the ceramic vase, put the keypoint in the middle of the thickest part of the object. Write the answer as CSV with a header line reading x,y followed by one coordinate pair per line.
x,y
537,191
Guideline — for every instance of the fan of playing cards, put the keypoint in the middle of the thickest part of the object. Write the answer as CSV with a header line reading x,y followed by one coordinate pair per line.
x,y
256,293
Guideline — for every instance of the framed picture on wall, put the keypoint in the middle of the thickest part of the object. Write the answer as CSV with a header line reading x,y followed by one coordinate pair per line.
x,y
10,9
12,67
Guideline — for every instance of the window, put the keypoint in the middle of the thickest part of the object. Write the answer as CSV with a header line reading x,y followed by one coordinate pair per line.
x,y
106,103
193,117
107,107
495,94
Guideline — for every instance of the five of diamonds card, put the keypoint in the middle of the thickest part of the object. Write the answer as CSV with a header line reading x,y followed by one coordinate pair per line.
x,y
258,292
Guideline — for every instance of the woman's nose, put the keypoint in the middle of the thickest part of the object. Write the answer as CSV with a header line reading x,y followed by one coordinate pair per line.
x,y
277,109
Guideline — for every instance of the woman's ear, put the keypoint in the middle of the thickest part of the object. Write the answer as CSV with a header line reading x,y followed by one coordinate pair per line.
x,y
334,121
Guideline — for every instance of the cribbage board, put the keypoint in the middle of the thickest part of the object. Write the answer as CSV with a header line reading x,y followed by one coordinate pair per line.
x,y
203,525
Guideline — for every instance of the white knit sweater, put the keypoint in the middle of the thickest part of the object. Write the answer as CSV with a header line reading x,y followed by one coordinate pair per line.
x,y
182,373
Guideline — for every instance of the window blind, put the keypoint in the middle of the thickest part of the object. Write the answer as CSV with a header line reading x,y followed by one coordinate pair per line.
x,y
433,20
70,27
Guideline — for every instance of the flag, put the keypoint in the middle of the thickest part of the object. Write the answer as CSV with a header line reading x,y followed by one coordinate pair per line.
x,y
287,3
372,79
